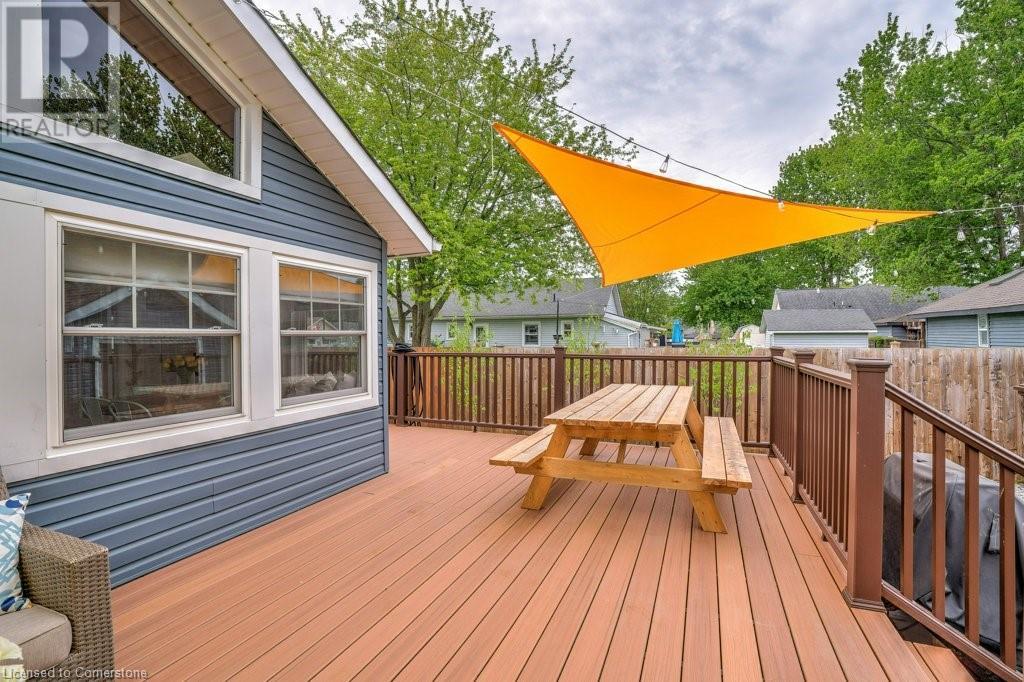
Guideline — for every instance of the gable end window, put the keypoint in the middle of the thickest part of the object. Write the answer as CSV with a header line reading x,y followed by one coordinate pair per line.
x,y
145,90
983,340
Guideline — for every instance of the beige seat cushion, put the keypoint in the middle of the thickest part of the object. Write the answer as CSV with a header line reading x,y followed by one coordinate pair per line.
x,y
43,635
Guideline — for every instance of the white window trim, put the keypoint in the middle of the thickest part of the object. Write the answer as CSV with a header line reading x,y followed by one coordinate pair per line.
x,y
369,348
984,329
248,136
486,326
525,323
571,324
257,281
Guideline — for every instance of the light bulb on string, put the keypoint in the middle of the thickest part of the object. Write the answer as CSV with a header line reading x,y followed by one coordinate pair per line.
x,y
664,164
782,205
960,236
392,24
873,228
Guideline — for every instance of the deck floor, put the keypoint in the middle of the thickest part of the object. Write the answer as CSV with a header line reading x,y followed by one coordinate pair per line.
x,y
434,571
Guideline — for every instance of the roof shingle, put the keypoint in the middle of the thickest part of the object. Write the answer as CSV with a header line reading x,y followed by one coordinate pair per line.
x,y
817,320
1005,292
882,304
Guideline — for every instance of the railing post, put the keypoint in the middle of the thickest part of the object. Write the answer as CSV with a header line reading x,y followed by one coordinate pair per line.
x,y
773,386
864,478
559,378
401,397
801,357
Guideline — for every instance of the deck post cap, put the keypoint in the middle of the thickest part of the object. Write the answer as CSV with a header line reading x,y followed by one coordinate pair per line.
x,y
869,364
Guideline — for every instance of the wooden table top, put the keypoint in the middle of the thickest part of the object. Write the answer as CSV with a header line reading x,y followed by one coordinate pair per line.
x,y
628,406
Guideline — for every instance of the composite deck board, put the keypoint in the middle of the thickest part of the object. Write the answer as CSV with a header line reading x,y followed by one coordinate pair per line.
x,y
435,572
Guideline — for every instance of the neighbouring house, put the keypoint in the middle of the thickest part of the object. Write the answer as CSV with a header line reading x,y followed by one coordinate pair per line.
x,y
193,327
584,310
988,315
825,328
885,306
751,335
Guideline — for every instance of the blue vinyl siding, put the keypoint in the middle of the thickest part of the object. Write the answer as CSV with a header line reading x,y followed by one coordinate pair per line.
x,y
1006,330
813,340
154,510
960,331
508,332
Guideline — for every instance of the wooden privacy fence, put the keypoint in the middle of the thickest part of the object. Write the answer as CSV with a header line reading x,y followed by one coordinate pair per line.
x,y
516,390
832,445
975,386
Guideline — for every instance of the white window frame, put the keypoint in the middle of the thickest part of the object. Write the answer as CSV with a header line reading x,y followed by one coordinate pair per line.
x,y
257,320
249,126
568,326
135,237
369,348
983,331
487,332
525,325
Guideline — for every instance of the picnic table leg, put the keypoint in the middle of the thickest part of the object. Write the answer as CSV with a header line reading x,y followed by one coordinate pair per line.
x,y
540,485
621,456
703,502
588,448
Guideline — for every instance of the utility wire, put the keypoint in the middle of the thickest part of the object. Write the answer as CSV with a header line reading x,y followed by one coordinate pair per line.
x,y
572,112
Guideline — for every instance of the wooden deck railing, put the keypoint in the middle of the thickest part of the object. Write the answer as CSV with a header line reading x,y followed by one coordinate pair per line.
x,y
515,390
832,444
826,427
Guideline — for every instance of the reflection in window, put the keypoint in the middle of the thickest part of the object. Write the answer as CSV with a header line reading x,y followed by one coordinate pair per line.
x,y
323,334
119,374
160,101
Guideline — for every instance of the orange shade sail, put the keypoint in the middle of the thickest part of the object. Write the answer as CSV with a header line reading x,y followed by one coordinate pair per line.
x,y
639,224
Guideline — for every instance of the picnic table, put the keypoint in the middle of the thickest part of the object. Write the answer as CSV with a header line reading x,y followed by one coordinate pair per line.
x,y
624,413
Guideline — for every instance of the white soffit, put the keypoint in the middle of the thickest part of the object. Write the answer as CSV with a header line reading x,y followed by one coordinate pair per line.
x,y
251,50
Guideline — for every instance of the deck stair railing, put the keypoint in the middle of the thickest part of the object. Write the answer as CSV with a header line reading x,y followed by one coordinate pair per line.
x,y
832,445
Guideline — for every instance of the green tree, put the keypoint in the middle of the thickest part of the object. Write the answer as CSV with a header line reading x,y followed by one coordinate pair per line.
x,y
920,125
652,299
407,76
186,130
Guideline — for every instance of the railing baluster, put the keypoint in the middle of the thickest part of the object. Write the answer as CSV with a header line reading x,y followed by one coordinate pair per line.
x,y
1007,567
907,503
972,552
939,524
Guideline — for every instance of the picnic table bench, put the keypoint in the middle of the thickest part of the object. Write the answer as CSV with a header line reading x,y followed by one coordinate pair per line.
x,y
624,413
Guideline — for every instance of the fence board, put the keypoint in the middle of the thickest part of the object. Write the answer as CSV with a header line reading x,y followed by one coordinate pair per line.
x,y
975,386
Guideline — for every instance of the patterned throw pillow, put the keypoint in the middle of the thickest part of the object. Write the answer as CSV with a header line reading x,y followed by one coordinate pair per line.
x,y
12,517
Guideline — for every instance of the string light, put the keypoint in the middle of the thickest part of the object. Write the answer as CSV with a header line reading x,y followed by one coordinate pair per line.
x,y
960,236
782,205
393,25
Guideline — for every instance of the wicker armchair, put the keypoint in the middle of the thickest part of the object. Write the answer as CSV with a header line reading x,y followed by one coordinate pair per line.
x,y
70,576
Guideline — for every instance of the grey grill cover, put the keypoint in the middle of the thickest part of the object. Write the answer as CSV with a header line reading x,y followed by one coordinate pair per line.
x,y
988,530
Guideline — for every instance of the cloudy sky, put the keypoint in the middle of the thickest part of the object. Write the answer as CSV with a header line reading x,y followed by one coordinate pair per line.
x,y
731,85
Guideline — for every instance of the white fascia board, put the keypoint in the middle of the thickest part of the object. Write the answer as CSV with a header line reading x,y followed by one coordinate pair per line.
x,y
414,237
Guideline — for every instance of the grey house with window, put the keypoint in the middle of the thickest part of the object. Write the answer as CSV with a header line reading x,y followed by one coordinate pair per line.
x,y
585,310
825,328
192,330
990,315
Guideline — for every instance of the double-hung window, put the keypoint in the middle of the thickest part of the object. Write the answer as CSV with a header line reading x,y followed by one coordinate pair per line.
x,y
150,334
323,334
983,340
531,334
